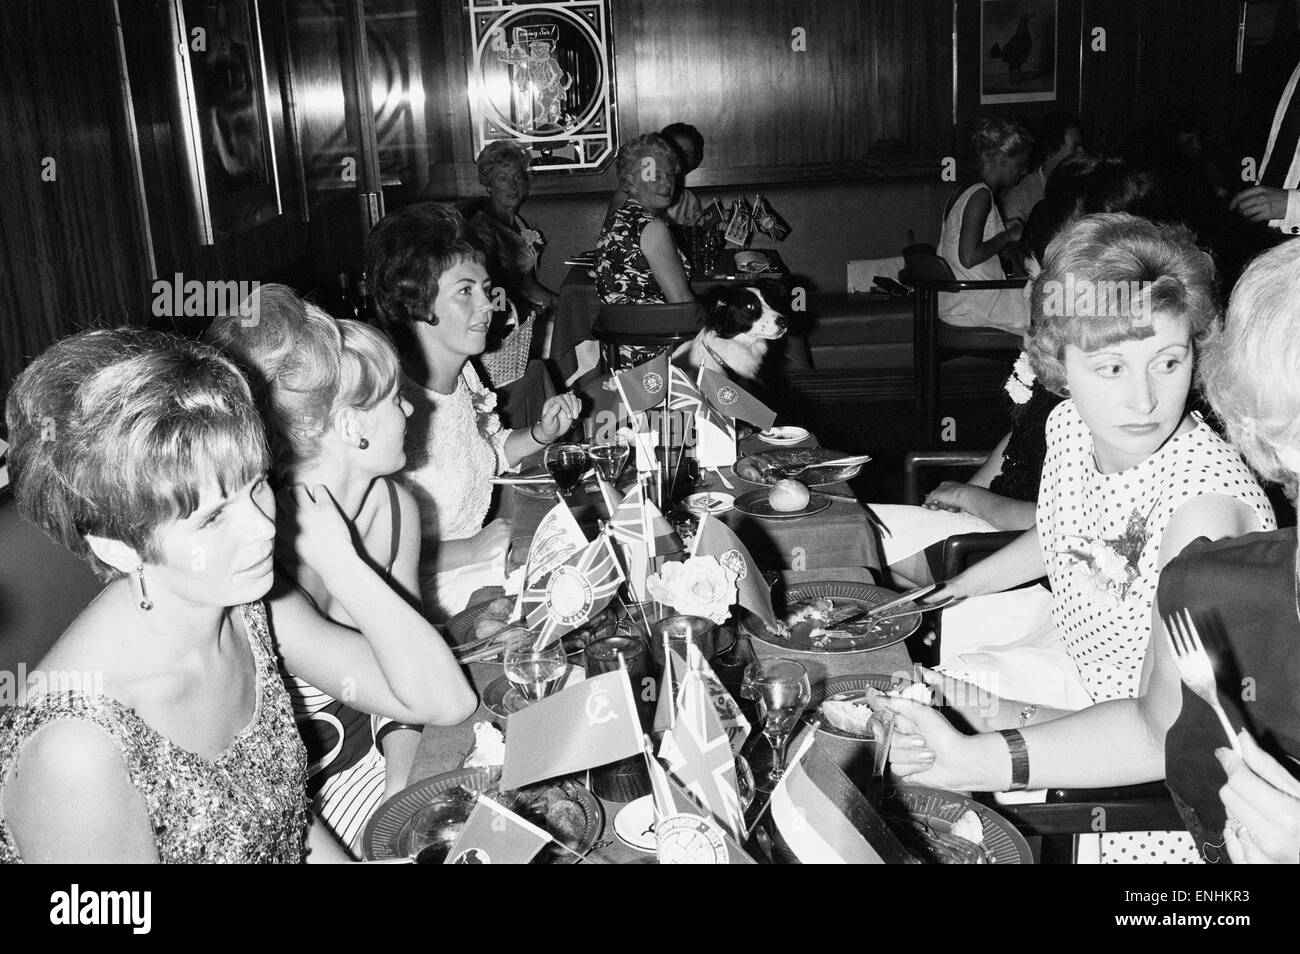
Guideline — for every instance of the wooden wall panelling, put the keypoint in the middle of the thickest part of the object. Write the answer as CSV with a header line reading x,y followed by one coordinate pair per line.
x,y
71,254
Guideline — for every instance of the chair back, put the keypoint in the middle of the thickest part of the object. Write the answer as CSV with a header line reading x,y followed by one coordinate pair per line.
x,y
654,326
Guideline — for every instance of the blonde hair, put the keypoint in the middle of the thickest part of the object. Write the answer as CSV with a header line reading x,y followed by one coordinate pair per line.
x,y
116,433
649,146
1002,137
305,367
1105,252
1250,369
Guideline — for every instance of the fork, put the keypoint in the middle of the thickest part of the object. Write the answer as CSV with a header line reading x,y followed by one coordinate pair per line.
x,y
1194,666
837,462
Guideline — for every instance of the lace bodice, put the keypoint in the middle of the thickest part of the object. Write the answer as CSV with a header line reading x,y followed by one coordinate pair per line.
x,y
455,445
246,806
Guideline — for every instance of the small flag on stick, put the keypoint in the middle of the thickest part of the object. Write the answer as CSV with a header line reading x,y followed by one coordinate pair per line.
x,y
494,835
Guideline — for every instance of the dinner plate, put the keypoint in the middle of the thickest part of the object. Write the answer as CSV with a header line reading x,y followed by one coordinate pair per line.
x,y
870,680
461,626
759,466
713,503
756,504
784,435
545,489
635,824
857,597
387,834
940,809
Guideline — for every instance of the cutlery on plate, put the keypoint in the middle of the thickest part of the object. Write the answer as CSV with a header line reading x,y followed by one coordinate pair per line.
x,y
837,462
725,482
1194,666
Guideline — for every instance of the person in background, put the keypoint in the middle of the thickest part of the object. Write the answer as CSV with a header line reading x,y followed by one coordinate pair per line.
x,y
329,395
434,291
1060,137
1276,200
686,208
974,233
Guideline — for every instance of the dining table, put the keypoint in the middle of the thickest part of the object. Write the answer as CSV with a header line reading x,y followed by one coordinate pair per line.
x,y
838,544
577,304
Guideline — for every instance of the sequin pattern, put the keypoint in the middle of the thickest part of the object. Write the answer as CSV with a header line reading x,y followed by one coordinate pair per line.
x,y
248,805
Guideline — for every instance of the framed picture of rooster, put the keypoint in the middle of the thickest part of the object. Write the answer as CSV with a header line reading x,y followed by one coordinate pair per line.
x,y
1015,57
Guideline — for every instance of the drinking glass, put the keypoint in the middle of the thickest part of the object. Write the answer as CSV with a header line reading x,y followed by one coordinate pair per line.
x,y
566,463
611,457
535,673
782,690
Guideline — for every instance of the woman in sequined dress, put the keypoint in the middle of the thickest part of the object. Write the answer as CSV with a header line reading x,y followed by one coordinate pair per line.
x,y
157,728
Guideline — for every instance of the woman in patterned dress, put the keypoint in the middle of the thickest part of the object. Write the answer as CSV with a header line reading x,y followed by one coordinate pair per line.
x,y
1131,477
434,290
330,397
143,453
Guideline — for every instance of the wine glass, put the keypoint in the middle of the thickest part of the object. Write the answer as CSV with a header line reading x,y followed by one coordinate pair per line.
x,y
782,690
535,672
567,463
611,457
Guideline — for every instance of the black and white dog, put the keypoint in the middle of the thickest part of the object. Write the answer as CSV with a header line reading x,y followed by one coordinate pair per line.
x,y
739,322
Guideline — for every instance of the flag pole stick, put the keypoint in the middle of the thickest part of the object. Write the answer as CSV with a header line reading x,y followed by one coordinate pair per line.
x,y
663,439
672,688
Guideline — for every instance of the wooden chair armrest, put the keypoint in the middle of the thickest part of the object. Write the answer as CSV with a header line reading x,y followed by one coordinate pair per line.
x,y
916,461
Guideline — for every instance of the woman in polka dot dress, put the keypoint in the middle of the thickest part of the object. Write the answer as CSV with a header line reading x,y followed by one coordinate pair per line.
x,y
1131,477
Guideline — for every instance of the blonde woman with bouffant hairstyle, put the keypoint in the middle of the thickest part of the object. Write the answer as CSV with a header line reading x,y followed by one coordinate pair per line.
x,y
330,393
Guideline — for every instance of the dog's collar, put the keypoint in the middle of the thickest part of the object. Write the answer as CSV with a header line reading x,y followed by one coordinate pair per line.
x,y
726,368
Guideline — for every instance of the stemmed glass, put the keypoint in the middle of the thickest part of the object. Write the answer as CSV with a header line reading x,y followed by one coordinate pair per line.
x,y
566,463
611,457
535,672
782,690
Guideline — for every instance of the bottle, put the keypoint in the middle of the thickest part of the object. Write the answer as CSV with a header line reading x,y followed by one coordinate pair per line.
x,y
345,305
365,307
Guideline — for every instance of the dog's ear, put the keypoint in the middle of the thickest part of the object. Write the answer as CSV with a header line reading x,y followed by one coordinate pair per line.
x,y
717,310
776,295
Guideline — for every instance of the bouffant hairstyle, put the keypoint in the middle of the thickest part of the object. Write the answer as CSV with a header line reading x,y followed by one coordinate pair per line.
x,y
117,433
1002,137
407,254
1250,369
631,156
500,154
304,367
1103,278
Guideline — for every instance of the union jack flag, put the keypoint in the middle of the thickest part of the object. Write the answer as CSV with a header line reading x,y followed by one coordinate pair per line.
x,y
698,754
574,592
637,520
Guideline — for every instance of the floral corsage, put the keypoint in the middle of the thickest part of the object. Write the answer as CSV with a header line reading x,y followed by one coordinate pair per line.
x,y
1111,563
1021,383
485,405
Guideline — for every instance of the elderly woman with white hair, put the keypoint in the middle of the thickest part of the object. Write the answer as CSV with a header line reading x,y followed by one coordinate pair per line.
x,y
1131,478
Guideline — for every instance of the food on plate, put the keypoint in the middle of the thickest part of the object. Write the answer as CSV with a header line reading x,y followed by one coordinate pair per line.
x,y
930,840
489,747
434,829
970,827
917,692
849,712
787,496
494,618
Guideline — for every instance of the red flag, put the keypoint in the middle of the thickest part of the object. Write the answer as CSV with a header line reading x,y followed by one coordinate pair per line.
x,y
574,592
768,221
593,722
699,756
725,397
714,538
642,387
494,835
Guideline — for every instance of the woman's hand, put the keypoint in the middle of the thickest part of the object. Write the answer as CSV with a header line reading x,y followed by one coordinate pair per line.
x,y
949,495
319,533
558,415
489,544
1260,203
981,710
926,749
1262,800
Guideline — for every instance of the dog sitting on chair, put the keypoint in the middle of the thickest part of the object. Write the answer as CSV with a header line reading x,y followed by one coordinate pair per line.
x,y
739,323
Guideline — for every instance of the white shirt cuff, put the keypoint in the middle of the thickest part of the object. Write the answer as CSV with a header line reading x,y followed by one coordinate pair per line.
x,y
1291,224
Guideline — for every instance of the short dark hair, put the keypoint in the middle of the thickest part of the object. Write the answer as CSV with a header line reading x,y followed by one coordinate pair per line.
x,y
1051,134
674,131
409,251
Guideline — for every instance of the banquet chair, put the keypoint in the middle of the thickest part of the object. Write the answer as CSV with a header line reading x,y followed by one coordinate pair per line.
x,y
1066,812
651,326
934,342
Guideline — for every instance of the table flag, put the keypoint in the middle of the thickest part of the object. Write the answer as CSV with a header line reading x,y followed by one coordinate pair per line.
x,y
642,387
715,442
768,221
741,224
714,538
557,538
573,592
723,396
592,723
669,684
685,833
494,835
733,720
825,819
637,520
698,754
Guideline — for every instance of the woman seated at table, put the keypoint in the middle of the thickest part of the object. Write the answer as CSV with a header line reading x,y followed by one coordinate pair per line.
x,y
637,261
510,247
974,233
432,286
329,394
143,454
687,209
1130,478
1002,494
1240,593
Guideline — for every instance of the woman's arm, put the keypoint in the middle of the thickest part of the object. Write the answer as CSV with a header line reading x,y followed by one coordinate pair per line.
x,y
69,800
405,572
972,248
992,465
558,414
397,665
1020,561
322,847
661,252
399,747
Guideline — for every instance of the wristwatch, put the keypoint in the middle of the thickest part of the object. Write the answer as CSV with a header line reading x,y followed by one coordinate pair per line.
x,y
1026,713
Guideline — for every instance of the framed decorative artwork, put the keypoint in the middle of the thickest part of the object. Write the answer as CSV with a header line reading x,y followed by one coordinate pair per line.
x,y
221,75
542,75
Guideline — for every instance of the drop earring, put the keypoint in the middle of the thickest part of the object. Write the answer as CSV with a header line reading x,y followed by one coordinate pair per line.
x,y
364,443
145,602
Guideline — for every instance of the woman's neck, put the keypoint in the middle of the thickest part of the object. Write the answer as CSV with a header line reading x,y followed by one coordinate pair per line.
x,y
441,369
175,630
347,485
503,214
